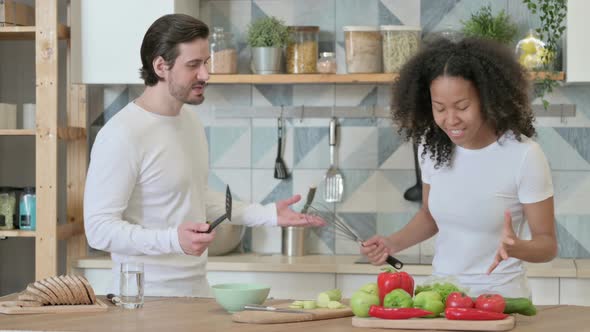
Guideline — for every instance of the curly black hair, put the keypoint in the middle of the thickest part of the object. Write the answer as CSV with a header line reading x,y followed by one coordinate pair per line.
x,y
502,84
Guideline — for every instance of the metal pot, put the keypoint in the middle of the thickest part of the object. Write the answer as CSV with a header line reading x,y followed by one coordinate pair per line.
x,y
267,60
227,238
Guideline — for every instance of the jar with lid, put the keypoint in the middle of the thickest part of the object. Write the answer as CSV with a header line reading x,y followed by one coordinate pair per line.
x,y
302,50
224,53
327,63
28,209
400,43
7,208
363,49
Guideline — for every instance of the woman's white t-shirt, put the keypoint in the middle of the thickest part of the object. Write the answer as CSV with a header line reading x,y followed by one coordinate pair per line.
x,y
467,200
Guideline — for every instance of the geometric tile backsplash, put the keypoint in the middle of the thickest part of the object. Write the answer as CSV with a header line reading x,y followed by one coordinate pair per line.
x,y
376,163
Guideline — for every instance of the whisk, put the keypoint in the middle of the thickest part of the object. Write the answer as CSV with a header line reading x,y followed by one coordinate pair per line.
x,y
342,229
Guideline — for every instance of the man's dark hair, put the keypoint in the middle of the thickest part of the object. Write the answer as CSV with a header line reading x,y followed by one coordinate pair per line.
x,y
500,81
162,39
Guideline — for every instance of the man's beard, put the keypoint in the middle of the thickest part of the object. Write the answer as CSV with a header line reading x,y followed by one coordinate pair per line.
x,y
183,94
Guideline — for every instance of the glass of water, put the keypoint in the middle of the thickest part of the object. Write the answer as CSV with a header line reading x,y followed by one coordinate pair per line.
x,y
131,285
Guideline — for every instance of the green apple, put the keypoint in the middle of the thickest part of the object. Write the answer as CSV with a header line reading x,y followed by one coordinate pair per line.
x,y
361,301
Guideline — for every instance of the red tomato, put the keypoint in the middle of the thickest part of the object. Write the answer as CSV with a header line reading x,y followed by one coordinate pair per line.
x,y
490,302
459,300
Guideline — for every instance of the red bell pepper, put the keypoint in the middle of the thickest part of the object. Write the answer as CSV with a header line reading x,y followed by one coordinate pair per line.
x,y
389,280
472,314
396,313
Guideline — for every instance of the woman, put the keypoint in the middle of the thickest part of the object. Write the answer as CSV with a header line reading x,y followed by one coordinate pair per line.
x,y
483,177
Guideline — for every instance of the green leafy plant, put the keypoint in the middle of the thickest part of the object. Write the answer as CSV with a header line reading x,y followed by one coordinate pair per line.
x,y
268,32
552,14
484,24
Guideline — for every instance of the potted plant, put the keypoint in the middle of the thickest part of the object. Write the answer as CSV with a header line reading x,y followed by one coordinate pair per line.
x,y
267,37
483,24
552,15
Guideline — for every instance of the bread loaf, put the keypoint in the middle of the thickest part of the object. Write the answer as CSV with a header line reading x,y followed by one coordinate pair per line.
x,y
58,290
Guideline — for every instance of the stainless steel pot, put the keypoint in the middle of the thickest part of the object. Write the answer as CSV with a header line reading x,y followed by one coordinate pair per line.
x,y
227,238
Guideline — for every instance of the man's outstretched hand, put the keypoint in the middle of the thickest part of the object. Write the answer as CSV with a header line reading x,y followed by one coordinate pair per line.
x,y
287,217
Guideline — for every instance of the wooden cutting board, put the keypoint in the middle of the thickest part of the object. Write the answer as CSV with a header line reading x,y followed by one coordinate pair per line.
x,y
9,308
266,317
436,324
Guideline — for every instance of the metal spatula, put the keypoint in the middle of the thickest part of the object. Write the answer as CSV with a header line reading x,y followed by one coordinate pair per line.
x,y
280,167
334,181
226,215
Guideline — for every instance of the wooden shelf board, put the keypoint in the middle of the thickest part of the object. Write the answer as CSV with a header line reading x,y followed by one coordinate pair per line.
x,y
380,78
17,132
28,33
302,78
17,233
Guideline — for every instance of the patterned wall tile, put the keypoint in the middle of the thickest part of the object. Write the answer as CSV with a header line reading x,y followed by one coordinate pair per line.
x,y
363,224
227,95
407,12
265,143
357,147
272,95
360,188
572,236
391,186
229,144
560,153
572,192
239,181
313,95
389,223
432,12
115,98
311,147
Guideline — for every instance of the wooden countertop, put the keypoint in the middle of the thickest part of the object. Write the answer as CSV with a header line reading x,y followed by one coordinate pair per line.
x,y
345,264
197,314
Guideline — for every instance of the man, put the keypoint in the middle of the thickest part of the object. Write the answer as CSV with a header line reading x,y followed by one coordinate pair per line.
x,y
146,196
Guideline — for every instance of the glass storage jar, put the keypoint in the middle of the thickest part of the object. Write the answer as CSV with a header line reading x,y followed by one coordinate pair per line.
x,y
224,53
400,43
363,49
532,54
327,63
302,50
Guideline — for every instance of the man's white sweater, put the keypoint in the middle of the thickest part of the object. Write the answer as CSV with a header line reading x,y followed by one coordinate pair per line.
x,y
148,174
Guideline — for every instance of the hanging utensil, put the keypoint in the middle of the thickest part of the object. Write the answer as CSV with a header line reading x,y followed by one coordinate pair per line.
x,y
280,168
334,180
227,215
309,200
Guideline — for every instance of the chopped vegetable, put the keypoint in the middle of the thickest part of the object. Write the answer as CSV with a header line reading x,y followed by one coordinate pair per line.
x,y
325,297
309,304
335,305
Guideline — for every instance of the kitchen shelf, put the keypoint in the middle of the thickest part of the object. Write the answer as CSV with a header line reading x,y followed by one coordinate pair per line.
x,y
379,78
47,135
17,233
28,33
17,132
302,78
